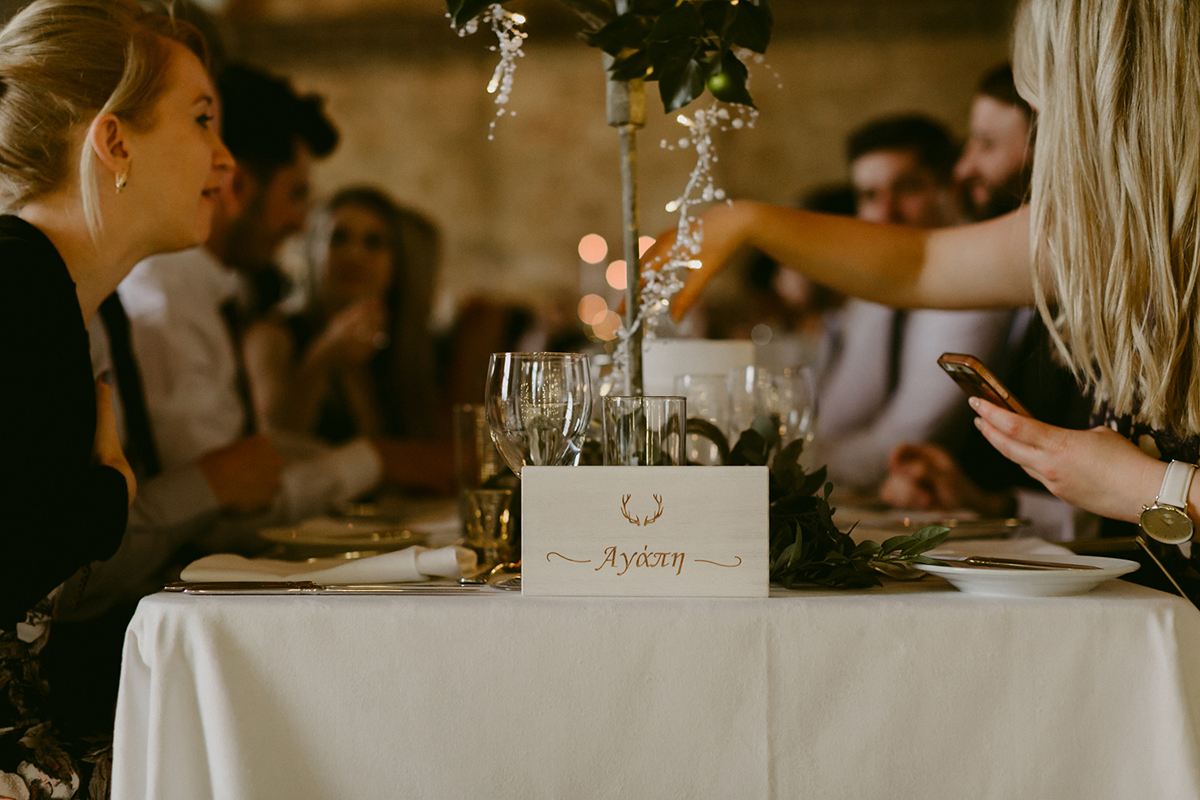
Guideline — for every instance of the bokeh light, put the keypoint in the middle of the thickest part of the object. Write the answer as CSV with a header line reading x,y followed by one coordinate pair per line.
x,y
608,325
593,248
592,308
644,244
615,275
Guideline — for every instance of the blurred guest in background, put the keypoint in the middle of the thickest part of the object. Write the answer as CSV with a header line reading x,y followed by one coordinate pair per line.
x,y
358,359
483,326
996,165
883,386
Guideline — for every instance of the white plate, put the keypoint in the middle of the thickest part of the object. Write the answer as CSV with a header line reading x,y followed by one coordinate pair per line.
x,y
1034,582
324,534
873,523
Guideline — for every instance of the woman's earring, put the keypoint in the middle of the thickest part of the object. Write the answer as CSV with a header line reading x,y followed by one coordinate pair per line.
x,y
121,178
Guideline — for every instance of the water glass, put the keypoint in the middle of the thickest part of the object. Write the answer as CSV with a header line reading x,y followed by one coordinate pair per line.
x,y
488,524
476,459
708,399
539,406
645,431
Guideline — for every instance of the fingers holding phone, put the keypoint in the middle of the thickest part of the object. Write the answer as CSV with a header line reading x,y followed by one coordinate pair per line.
x,y
976,380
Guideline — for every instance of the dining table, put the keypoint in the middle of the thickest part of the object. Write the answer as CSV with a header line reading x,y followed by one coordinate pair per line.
x,y
910,689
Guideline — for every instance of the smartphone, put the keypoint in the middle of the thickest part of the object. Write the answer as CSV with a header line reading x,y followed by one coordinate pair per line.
x,y
978,381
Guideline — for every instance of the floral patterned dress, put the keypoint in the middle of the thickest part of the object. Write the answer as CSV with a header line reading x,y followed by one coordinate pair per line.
x,y
50,762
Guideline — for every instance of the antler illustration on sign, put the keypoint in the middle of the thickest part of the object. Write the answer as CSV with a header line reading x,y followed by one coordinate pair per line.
x,y
649,520
636,520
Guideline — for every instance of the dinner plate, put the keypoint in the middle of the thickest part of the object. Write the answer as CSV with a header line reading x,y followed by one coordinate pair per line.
x,y
985,528
325,536
1033,582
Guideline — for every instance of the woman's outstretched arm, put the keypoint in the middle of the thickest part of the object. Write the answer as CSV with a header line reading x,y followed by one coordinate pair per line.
x,y
985,265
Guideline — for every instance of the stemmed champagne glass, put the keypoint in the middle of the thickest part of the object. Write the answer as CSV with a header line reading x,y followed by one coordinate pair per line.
x,y
539,406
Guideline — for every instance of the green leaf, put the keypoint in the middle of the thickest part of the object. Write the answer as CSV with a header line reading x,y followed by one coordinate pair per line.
x,y
626,32
925,539
750,450
681,22
628,67
864,549
766,427
679,85
751,27
786,464
718,16
893,543
732,88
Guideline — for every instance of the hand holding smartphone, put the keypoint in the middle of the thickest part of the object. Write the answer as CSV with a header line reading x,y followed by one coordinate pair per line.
x,y
978,381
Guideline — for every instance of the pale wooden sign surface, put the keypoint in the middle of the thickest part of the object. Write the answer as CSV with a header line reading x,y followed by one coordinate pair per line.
x,y
665,359
645,531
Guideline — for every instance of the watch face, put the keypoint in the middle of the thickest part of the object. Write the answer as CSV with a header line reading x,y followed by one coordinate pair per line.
x,y
1166,524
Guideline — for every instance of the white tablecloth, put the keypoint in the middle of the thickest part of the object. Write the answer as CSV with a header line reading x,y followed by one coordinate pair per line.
x,y
910,691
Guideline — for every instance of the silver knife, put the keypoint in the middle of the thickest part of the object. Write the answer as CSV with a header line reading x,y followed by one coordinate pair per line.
x,y
993,562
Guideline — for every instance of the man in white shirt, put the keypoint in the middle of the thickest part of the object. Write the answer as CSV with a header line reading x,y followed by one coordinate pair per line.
x,y
884,386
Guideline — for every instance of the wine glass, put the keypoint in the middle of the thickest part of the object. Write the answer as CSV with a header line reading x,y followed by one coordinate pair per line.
x,y
539,406
788,397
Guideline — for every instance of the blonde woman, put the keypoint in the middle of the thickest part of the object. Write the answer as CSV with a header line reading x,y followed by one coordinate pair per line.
x,y
1108,248
109,152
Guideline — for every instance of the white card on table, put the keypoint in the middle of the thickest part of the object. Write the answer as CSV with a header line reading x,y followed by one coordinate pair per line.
x,y
645,531
663,360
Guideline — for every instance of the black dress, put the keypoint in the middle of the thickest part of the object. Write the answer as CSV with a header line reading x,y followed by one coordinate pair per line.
x,y
59,511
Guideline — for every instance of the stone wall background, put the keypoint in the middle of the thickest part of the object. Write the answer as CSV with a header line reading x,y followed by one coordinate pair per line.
x,y
409,97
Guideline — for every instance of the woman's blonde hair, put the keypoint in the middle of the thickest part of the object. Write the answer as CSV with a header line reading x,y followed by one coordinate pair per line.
x,y
1114,197
64,62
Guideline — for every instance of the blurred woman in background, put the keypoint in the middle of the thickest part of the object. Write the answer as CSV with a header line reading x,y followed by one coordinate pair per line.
x,y
358,358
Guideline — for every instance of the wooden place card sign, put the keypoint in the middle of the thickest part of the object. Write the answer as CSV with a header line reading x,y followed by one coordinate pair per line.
x,y
645,531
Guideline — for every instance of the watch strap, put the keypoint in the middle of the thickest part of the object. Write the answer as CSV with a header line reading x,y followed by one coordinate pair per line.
x,y
1176,485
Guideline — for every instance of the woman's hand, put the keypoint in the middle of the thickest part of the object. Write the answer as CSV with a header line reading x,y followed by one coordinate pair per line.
x,y
725,229
106,449
1097,470
925,476
354,334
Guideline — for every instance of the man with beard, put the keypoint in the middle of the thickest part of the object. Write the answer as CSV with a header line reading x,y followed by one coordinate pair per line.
x,y
994,170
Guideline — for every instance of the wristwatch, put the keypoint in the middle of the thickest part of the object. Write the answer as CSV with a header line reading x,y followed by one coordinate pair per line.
x,y
1167,520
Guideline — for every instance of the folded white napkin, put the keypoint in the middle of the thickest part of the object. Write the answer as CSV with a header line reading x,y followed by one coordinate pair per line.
x,y
402,566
